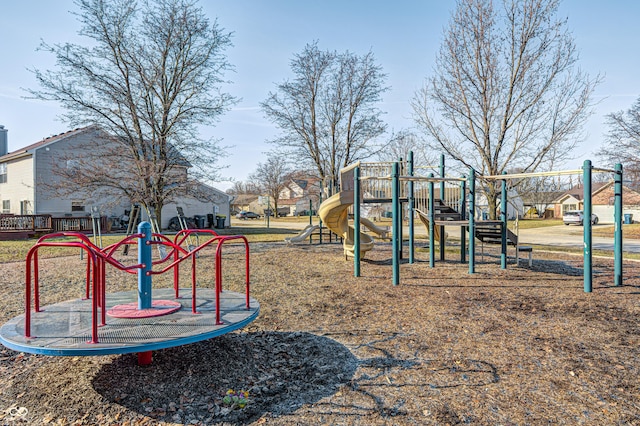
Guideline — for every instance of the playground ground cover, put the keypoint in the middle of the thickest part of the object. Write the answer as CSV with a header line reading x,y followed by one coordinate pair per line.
x,y
516,346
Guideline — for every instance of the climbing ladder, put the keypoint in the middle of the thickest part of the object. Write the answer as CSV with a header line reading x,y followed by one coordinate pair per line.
x,y
134,217
491,233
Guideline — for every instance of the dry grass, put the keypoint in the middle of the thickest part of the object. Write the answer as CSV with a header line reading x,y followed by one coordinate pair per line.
x,y
515,346
631,231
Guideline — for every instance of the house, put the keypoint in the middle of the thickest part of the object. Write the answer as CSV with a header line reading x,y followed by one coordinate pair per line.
x,y
602,201
515,205
246,202
26,176
297,194
573,199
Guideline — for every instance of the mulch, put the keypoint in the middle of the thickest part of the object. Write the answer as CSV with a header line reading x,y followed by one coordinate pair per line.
x,y
524,346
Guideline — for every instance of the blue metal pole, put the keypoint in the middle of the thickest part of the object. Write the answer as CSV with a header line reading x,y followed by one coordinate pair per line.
x,y
472,218
395,231
144,258
463,230
356,222
586,222
617,233
432,257
411,207
503,217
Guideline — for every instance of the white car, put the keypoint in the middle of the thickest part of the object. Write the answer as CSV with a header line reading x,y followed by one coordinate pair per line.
x,y
576,217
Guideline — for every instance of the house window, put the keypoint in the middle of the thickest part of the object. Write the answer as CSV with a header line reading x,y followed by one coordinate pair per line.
x,y
3,172
77,206
6,206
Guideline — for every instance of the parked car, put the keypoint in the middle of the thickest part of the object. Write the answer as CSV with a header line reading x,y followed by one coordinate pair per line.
x,y
247,215
576,217
281,212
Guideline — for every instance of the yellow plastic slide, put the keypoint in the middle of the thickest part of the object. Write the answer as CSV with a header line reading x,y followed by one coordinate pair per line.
x,y
380,231
424,218
334,214
303,235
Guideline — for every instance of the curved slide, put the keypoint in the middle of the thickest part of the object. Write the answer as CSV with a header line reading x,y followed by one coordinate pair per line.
x,y
303,235
334,214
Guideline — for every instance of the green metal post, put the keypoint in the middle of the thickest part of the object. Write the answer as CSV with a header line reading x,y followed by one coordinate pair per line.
x,y
503,217
395,232
442,197
463,230
411,207
320,223
399,218
586,222
356,222
472,218
310,219
432,227
617,233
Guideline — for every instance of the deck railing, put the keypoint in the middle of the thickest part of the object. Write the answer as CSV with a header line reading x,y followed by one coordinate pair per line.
x,y
25,222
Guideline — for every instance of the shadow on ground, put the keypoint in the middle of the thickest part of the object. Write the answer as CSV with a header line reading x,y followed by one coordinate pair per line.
x,y
281,372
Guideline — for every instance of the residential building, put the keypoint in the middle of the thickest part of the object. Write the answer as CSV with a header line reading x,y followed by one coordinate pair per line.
x,y
27,181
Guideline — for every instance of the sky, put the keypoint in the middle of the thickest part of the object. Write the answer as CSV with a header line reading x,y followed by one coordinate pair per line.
x,y
404,36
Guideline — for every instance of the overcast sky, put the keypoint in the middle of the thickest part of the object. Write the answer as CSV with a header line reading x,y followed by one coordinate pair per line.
x,y
404,36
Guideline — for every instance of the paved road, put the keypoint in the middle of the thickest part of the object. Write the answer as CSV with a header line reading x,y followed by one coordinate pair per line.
x,y
560,236
571,236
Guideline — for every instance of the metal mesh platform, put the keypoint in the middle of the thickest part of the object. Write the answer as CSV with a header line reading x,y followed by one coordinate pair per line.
x,y
65,328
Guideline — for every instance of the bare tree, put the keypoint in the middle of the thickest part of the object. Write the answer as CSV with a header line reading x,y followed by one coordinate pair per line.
x,y
150,75
240,187
272,176
623,141
540,192
328,113
403,142
506,92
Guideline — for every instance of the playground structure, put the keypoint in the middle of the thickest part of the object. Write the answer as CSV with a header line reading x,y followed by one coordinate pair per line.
x,y
138,321
373,183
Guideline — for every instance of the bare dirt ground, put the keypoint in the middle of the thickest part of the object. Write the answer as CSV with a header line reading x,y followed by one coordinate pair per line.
x,y
522,346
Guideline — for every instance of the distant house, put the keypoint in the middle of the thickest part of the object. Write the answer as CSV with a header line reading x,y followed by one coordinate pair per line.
x,y
602,200
246,202
297,194
573,199
24,175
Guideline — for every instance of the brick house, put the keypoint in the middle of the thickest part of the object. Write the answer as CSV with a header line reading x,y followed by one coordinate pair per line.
x,y
602,198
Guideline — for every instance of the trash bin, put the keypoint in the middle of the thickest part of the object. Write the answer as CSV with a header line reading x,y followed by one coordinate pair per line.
x,y
199,220
210,221
628,218
220,222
